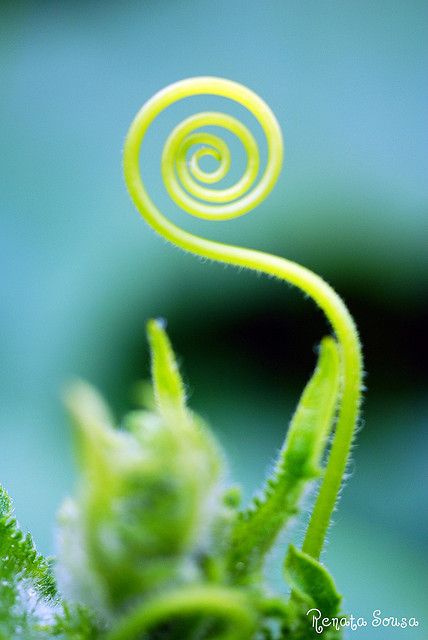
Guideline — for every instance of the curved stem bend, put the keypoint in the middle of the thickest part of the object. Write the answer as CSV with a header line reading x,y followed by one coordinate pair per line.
x,y
310,283
217,603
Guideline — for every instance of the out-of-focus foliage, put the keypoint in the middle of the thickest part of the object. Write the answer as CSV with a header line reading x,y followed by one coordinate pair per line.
x,y
148,494
27,588
30,607
153,544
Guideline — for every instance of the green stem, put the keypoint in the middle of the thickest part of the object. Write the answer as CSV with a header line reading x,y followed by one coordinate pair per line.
x,y
174,161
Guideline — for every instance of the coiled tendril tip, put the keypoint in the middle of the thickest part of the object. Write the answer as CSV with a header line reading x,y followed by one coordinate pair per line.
x,y
182,174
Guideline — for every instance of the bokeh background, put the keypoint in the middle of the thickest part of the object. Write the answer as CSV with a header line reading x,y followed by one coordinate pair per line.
x,y
81,272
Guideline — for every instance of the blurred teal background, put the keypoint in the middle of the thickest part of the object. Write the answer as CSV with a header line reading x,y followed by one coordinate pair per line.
x,y
81,272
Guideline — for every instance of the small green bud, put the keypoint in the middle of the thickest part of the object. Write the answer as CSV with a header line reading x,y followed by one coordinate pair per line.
x,y
148,495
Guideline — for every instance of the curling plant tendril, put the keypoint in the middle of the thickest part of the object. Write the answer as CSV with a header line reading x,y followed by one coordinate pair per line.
x,y
154,545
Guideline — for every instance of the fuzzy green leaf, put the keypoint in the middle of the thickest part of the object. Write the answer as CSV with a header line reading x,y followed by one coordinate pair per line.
x,y
27,587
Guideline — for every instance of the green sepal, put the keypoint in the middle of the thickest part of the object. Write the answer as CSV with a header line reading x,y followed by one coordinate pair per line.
x,y
314,417
311,582
313,591
167,383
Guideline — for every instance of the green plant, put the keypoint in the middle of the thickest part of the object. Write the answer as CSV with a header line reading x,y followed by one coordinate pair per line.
x,y
153,545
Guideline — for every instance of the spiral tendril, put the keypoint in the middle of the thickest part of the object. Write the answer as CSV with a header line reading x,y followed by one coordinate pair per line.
x,y
183,177
222,204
